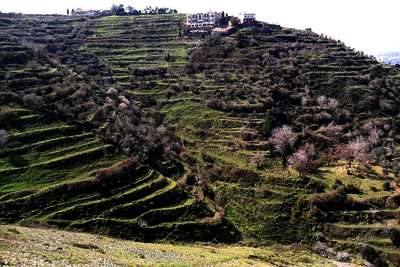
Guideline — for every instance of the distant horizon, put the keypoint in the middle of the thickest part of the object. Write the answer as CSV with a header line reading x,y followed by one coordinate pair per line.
x,y
366,26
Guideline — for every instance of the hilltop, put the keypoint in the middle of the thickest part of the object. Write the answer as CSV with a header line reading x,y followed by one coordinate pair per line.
x,y
150,133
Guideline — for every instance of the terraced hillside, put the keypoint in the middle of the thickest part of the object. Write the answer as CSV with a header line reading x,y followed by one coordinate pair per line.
x,y
275,76
371,216
148,57
42,152
51,170
47,176
222,97
145,53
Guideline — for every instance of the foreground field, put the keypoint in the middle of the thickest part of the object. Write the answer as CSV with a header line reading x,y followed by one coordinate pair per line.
x,y
23,246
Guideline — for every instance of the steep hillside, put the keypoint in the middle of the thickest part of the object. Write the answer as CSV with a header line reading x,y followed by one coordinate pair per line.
x,y
272,76
50,173
60,166
203,115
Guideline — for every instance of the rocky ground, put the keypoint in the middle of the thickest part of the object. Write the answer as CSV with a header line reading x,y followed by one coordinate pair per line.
x,y
21,246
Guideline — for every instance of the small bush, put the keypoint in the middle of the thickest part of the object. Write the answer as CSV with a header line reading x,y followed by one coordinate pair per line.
x,y
369,253
7,116
33,100
202,133
386,186
119,171
187,158
328,201
337,184
393,201
336,200
380,263
213,172
394,235
315,186
352,189
206,157
242,175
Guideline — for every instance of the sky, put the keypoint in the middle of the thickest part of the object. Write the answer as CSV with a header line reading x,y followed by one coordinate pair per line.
x,y
371,26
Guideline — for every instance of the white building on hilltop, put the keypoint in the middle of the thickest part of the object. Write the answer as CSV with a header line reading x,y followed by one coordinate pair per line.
x,y
87,13
207,20
247,18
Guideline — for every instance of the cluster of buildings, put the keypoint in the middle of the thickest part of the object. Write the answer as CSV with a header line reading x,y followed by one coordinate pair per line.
x,y
204,20
207,21
211,20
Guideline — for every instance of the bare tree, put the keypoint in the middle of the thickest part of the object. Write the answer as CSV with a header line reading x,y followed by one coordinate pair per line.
x,y
299,161
283,139
356,150
112,91
327,103
109,101
33,100
331,130
374,134
123,106
3,137
302,158
123,99
257,159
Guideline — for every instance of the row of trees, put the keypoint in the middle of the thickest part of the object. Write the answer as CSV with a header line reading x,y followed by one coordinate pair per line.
x,y
307,157
120,10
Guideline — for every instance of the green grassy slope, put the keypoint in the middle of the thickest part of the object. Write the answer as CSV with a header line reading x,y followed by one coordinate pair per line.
x,y
42,152
46,177
142,51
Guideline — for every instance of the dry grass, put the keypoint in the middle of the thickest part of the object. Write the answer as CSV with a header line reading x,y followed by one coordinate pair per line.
x,y
22,246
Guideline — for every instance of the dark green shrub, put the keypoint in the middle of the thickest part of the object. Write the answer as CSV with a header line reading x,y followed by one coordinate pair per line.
x,y
369,253
315,186
267,125
394,235
7,116
352,189
241,175
393,201
33,100
328,201
380,263
337,184
121,170
386,186
336,200
206,157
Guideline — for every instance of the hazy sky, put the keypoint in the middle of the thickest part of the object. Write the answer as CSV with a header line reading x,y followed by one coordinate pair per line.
x,y
368,25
